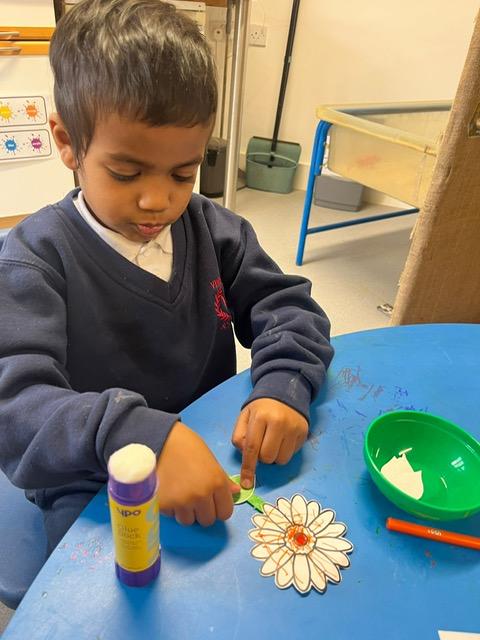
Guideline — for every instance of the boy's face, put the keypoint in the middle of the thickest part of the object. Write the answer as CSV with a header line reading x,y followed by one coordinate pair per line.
x,y
136,178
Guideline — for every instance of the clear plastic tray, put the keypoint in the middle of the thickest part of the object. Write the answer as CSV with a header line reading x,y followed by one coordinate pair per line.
x,y
388,147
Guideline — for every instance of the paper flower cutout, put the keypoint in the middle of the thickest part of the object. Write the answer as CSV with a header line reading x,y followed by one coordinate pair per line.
x,y
300,544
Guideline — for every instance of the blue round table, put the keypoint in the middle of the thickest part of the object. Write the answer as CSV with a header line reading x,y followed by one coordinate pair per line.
x,y
397,586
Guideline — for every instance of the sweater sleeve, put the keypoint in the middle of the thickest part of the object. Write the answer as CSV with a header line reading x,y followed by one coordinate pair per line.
x,y
275,315
49,433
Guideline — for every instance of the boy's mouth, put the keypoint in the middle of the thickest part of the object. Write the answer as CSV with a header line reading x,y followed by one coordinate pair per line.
x,y
149,230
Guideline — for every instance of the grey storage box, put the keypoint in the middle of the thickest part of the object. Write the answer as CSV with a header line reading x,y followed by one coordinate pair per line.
x,y
212,169
335,192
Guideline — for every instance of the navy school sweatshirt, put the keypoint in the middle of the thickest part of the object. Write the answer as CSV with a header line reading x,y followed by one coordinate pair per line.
x,y
96,353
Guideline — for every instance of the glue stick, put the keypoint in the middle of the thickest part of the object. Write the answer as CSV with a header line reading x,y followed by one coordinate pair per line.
x,y
132,496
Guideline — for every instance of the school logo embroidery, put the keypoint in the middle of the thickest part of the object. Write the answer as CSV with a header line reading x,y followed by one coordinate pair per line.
x,y
220,304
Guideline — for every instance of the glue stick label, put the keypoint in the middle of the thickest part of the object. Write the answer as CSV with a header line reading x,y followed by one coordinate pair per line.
x,y
135,533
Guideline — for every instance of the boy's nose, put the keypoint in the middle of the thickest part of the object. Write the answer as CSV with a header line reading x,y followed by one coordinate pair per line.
x,y
155,196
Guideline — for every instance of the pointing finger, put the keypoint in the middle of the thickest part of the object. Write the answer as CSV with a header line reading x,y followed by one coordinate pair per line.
x,y
251,449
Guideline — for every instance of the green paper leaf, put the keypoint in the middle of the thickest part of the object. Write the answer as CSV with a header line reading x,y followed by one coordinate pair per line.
x,y
244,495
247,495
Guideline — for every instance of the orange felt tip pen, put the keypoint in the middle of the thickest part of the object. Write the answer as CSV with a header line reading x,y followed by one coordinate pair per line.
x,y
431,533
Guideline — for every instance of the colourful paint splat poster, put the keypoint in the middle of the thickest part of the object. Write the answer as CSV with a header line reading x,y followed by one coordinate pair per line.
x,y
24,134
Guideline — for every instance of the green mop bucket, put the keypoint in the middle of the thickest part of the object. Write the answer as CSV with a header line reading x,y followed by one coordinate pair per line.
x,y
272,171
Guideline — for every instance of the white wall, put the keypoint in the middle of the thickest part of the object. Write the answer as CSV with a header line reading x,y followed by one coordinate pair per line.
x,y
350,51
29,13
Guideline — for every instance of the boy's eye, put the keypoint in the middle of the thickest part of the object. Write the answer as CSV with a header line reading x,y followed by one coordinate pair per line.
x,y
184,178
121,177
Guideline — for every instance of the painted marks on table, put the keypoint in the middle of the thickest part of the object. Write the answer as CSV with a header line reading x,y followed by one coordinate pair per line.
x,y
91,553
351,379
428,555
369,399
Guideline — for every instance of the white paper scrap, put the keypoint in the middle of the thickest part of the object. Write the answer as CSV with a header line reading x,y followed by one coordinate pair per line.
x,y
399,472
458,635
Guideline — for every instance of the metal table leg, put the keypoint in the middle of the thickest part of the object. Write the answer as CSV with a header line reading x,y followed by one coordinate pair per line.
x,y
316,164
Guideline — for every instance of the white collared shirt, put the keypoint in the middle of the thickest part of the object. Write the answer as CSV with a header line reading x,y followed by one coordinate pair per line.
x,y
155,256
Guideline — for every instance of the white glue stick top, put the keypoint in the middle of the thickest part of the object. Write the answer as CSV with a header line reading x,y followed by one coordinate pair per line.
x,y
132,463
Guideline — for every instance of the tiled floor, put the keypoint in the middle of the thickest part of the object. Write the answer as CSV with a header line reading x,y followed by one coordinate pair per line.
x,y
353,270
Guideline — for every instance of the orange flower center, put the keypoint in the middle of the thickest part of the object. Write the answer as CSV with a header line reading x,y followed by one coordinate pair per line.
x,y
298,536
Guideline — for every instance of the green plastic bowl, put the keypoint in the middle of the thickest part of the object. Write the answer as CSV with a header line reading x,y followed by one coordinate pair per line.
x,y
448,457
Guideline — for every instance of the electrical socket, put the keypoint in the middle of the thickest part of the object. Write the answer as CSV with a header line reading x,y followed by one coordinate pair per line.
x,y
257,35
217,31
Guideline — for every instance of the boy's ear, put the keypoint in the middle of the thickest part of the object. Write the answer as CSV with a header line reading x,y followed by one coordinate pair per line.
x,y
62,140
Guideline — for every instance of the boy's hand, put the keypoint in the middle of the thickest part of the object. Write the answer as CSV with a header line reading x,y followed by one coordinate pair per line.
x,y
192,485
270,431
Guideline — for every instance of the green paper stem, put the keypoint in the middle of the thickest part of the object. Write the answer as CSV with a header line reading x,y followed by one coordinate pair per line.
x,y
256,502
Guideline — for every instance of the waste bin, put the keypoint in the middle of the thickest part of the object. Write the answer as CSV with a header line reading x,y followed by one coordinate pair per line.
x,y
212,169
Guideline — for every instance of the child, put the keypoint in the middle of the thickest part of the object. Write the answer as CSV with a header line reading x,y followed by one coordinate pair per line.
x,y
117,302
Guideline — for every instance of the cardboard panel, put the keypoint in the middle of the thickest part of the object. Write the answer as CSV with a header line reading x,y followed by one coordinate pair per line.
x,y
441,278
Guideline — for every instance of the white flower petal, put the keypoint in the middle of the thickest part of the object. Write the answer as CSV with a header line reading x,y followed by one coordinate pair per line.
x,y
262,521
259,520
277,559
333,544
299,509
262,551
284,506
284,576
322,520
339,558
301,573
317,577
325,564
276,516
267,536
335,529
313,509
